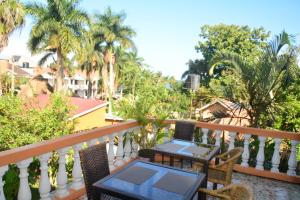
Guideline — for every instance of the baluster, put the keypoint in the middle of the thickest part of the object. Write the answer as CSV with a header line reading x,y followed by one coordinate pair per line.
x,y
76,171
44,187
92,142
154,131
24,189
204,136
127,148
245,155
62,178
166,136
3,170
111,154
218,137
120,151
292,159
276,156
260,158
134,145
232,136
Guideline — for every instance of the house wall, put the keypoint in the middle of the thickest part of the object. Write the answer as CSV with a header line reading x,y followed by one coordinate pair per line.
x,y
92,120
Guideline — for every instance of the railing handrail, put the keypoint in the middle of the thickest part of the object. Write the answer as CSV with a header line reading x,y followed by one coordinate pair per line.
x,y
245,130
28,151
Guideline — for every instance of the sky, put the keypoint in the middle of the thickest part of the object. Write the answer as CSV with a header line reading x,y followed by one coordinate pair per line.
x,y
168,30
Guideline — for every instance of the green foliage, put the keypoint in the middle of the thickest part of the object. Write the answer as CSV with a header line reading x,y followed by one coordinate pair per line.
x,y
257,85
22,123
156,99
242,40
245,41
58,28
288,117
11,18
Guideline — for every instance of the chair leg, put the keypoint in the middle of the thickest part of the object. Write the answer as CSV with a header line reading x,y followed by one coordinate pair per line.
x,y
215,186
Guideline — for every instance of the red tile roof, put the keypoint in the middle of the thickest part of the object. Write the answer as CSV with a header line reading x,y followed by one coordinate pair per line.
x,y
82,106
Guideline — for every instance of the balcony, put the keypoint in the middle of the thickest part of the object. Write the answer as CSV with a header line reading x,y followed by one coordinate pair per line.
x,y
266,184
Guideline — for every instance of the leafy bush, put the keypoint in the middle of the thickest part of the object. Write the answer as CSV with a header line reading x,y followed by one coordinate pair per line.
x,y
156,99
22,123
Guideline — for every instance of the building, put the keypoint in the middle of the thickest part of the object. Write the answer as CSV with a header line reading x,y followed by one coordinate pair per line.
x,y
89,113
6,67
78,83
225,112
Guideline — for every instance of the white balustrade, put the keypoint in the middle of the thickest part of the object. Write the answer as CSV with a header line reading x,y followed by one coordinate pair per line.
x,y
77,182
24,189
44,186
62,178
3,170
127,148
218,137
205,135
134,145
92,142
232,136
260,158
246,154
120,150
293,159
276,156
111,154
166,136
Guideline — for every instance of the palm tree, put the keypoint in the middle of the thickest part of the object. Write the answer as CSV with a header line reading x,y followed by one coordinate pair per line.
x,y
129,66
109,33
57,29
11,18
89,59
263,79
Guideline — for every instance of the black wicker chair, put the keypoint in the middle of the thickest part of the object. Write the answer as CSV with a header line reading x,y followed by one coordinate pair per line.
x,y
184,130
94,164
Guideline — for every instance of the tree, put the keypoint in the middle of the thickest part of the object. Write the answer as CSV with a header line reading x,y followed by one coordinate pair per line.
x,y
241,40
256,85
109,33
130,69
89,58
11,18
57,29
199,67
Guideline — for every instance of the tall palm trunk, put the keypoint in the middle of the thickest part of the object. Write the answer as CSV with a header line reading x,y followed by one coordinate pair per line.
x,y
60,72
104,73
111,85
89,91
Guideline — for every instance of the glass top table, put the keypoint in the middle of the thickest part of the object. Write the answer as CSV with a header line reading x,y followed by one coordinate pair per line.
x,y
188,150
156,182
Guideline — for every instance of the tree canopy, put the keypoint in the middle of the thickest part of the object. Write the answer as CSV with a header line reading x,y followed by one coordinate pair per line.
x,y
57,29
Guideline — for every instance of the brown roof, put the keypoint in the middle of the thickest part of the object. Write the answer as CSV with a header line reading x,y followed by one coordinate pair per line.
x,y
19,72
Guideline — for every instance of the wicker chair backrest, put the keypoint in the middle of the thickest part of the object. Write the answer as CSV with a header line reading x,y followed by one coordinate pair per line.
x,y
94,164
184,130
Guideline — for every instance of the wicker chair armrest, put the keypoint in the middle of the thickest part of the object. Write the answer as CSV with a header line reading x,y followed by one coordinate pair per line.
x,y
214,193
223,156
219,167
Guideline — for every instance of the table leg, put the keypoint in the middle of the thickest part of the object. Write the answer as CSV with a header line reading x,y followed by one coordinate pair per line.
x,y
162,159
202,196
215,185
